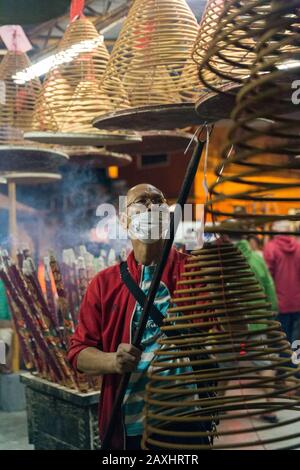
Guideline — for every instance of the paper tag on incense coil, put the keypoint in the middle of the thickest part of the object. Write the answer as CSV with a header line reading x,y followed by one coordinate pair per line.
x,y
14,38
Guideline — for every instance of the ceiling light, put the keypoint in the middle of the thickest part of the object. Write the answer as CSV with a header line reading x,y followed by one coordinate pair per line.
x,y
63,57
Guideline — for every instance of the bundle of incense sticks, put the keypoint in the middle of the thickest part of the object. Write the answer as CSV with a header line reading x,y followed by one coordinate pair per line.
x,y
78,268
43,320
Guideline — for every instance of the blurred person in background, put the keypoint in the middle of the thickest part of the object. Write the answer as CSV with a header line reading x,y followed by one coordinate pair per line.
x,y
263,276
261,271
6,330
282,255
255,244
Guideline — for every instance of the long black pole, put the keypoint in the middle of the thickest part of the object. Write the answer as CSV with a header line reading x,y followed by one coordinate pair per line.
x,y
174,221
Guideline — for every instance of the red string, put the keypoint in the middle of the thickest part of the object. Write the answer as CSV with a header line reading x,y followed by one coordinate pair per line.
x,y
15,40
76,9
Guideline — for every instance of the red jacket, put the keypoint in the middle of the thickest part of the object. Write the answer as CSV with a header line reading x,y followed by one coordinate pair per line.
x,y
282,255
104,322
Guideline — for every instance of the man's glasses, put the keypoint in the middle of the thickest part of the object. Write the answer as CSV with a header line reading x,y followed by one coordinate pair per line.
x,y
147,202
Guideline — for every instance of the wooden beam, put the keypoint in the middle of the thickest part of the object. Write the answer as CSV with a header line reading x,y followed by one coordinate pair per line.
x,y
48,24
112,17
91,10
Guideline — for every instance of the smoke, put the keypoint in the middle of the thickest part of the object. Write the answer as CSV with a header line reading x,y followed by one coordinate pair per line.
x,y
65,214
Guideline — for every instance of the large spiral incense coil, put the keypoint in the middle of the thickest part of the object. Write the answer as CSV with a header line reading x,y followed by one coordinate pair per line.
x,y
232,27
49,111
17,99
212,106
150,54
261,164
208,27
227,346
190,74
21,160
152,58
70,99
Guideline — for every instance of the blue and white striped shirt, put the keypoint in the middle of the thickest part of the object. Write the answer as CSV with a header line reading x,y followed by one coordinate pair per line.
x,y
134,397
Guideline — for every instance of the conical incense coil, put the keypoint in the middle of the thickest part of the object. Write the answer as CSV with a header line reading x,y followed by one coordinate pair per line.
x,y
225,48
260,159
114,96
208,26
233,48
50,110
70,96
82,32
150,54
22,160
161,86
85,92
227,341
17,99
191,87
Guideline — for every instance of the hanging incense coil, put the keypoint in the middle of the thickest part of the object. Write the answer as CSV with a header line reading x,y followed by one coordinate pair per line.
x,y
70,97
208,26
230,55
18,157
17,99
152,58
151,52
224,49
73,85
209,105
192,87
228,340
50,110
261,164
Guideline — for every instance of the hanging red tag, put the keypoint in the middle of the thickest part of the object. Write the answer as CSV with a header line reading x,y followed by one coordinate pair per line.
x,y
76,9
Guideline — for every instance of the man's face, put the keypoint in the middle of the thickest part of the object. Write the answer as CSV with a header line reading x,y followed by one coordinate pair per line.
x,y
143,199
147,213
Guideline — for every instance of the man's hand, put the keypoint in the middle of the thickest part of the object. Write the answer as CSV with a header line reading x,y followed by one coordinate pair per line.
x,y
92,361
127,358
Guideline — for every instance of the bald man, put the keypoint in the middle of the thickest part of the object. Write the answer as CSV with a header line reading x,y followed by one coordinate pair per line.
x,y
109,315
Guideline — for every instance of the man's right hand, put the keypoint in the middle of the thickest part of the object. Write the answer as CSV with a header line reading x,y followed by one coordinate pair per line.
x,y
127,358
